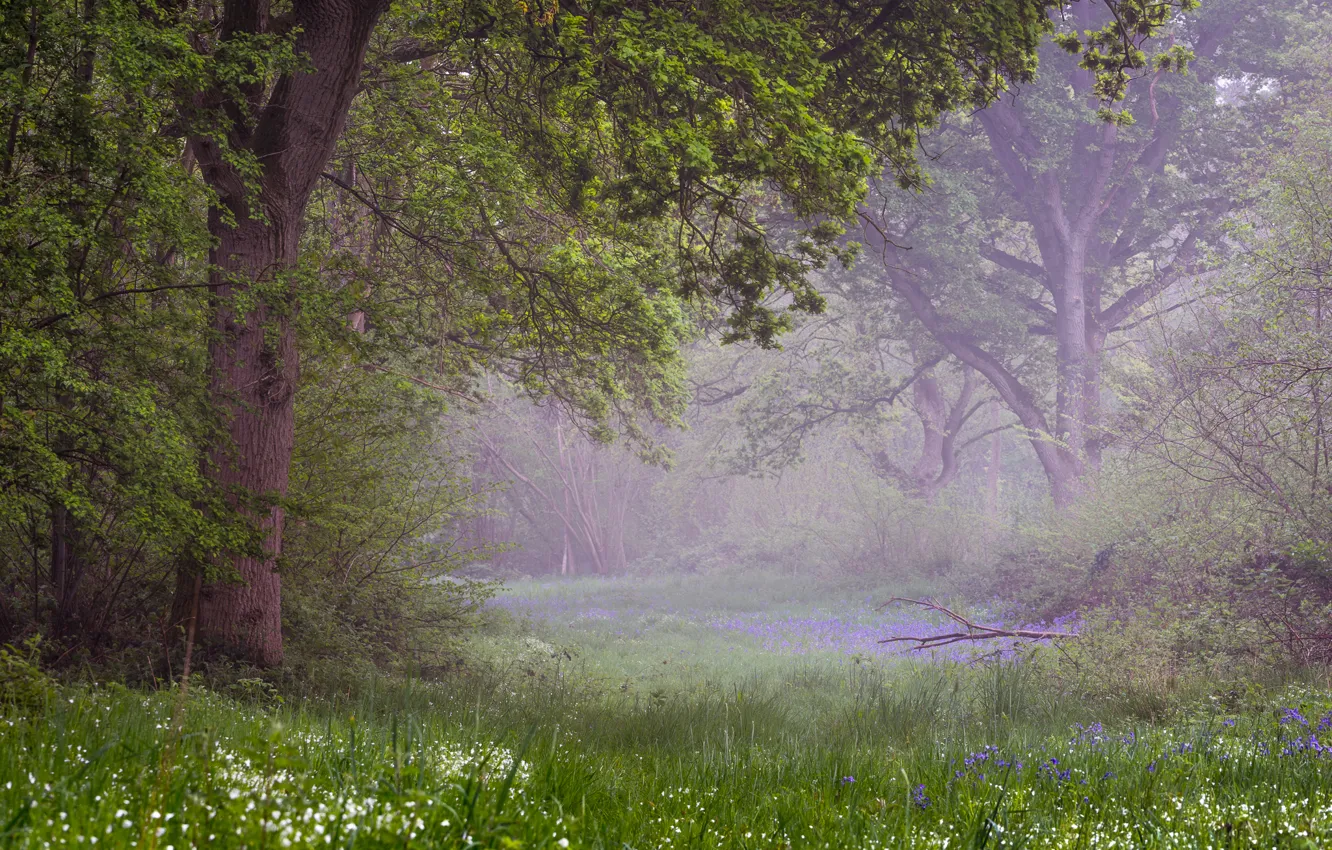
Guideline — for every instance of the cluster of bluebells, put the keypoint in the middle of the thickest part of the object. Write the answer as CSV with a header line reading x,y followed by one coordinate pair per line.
x,y
1050,769
1093,735
919,799
1298,738
975,764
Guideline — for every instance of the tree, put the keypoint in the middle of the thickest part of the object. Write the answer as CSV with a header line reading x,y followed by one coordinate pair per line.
x,y
100,408
660,113
587,487
853,367
1238,396
1113,207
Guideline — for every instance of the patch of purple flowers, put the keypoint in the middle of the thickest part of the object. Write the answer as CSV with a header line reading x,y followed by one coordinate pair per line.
x,y
919,799
1292,715
1305,744
1051,770
1091,736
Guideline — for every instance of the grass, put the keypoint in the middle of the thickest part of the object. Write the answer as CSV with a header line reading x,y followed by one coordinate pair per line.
x,y
575,735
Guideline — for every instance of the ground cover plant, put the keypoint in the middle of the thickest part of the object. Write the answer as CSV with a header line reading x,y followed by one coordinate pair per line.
x,y
702,736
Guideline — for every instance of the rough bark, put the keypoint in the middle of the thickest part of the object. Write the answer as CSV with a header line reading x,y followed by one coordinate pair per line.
x,y
254,360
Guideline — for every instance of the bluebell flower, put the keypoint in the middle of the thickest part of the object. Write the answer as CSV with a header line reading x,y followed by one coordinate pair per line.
x,y
1292,715
847,780
919,799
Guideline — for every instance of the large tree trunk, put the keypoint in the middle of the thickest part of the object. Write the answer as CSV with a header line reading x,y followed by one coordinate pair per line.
x,y
254,372
254,363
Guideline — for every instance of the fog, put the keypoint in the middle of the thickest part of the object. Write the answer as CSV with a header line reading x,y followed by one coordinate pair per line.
x,y
619,424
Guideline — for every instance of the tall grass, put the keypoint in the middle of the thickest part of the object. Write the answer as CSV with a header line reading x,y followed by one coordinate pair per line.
x,y
911,755
648,730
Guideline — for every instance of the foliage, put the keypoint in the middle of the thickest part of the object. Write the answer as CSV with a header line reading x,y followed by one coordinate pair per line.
x,y
24,685
377,506
101,359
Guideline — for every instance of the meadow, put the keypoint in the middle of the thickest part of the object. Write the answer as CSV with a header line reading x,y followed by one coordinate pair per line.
x,y
754,712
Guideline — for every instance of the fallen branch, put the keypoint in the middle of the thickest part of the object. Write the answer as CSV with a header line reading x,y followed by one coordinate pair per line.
x,y
974,631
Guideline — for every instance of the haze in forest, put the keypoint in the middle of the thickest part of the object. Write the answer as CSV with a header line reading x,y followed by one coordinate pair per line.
x,y
527,424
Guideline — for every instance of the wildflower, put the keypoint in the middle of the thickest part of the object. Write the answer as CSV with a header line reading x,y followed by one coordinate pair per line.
x,y
918,798
847,780
1292,715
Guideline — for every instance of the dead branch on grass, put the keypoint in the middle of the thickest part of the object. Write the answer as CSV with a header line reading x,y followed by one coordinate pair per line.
x,y
974,631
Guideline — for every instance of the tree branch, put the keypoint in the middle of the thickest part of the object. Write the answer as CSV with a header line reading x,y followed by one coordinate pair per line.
x,y
974,631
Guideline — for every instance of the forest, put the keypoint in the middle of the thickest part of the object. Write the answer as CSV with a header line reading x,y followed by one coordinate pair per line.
x,y
612,424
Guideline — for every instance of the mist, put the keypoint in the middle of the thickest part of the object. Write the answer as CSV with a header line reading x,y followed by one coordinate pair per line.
x,y
624,424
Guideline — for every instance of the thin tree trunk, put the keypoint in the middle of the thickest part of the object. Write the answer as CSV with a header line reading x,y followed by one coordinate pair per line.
x,y
64,568
996,459
932,412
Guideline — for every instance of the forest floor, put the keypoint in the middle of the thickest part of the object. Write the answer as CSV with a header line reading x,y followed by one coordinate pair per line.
x,y
665,713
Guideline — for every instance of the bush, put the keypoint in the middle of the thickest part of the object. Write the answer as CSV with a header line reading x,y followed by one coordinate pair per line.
x,y
23,682
373,553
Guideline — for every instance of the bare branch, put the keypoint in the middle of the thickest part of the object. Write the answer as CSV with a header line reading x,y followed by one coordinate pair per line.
x,y
974,631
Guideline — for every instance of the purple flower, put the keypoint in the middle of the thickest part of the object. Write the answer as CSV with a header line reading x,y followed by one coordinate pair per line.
x,y
1292,715
1050,770
847,780
919,799
1088,734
